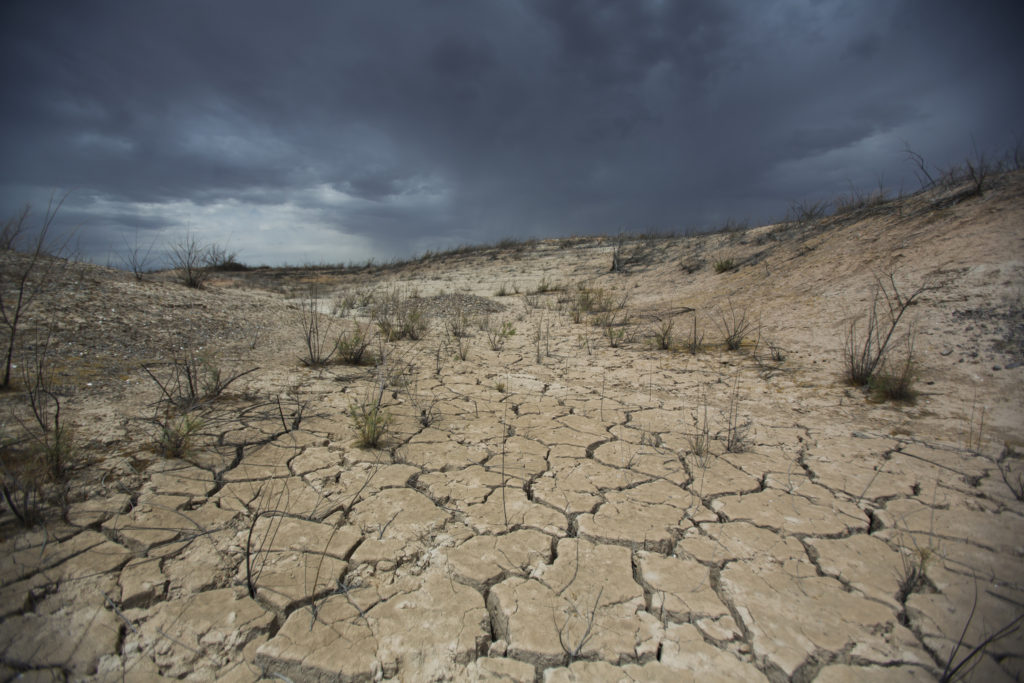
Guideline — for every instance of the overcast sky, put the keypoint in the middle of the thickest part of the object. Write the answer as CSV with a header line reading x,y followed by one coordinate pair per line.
x,y
340,130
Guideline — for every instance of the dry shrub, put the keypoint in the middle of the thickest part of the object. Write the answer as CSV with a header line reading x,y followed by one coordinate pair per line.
x,y
398,317
663,335
734,324
868,337
894,380
352,347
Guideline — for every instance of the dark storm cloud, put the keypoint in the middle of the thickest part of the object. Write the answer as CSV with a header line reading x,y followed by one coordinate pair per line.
x,y
355,129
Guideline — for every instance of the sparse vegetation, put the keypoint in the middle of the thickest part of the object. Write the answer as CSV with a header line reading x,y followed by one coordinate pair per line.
x,y
51,435
136,258
192,380
188,387
614,323
663,334
736,430
458,323
426,408
976,173
734,324
734,433
220,258
459,345
912,577
699,440
545,285
542,340
352,347
695,342
807,212
24,276
585,617
505,289
615,335
369,417
316,331
725,265
733,225
498,335
583,340
398,317
176,433
371,423
894,379
618,258
637,250
191,259
439,355
868,337
23,481
858,200
588,300
924,176
34,465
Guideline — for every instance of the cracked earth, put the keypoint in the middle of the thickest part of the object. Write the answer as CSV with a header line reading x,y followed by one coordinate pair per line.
x,y
538,512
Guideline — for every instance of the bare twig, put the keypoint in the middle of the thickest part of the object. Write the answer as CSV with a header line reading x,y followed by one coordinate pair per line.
x,y
573,651
23,278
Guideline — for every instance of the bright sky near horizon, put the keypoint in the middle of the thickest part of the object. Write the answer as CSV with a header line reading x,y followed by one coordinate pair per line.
x,y
337,131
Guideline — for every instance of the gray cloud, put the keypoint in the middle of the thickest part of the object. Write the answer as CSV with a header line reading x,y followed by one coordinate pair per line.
x,y
344,130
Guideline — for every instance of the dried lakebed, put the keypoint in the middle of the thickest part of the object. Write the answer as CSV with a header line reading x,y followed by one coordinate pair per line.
x,y
543,531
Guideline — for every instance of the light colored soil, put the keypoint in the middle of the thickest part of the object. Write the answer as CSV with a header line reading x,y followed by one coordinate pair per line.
x,y
550,521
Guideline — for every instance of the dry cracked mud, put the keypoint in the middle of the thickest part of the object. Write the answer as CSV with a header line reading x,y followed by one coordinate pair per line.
x,y
540,512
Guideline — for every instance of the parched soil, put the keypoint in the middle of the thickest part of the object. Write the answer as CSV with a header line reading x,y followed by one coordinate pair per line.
x,y
540,505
